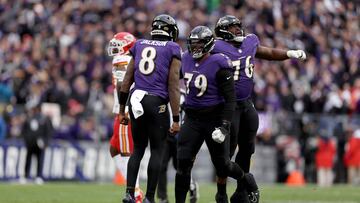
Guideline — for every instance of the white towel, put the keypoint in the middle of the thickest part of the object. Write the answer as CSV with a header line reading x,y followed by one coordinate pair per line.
x,y
135,100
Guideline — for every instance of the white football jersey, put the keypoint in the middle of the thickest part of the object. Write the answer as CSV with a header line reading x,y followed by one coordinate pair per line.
x,y
118,76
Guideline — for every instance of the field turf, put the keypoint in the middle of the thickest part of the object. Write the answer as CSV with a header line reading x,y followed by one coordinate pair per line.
x,y
65,192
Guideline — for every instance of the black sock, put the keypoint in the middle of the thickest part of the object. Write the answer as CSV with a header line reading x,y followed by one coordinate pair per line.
x,y
221,188
250,183
240,185
182,184
150,197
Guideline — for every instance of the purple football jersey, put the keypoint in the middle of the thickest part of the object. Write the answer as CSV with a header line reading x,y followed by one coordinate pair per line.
x,y
152,60
200,79
243,63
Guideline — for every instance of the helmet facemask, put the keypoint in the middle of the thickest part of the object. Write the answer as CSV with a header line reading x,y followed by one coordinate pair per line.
x,y
164,27
120,44
198,47
116,47
200,42
229,28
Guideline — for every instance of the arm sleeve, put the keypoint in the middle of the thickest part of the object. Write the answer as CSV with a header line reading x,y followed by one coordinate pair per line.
x,y
225,81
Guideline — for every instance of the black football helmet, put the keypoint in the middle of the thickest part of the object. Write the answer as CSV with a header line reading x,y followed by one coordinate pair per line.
x,y
200,41
222,29
164,26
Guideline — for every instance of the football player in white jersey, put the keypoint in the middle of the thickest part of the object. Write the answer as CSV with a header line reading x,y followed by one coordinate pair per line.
x,y
121,144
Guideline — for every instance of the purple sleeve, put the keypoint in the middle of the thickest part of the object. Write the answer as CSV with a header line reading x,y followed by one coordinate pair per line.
x,y
175,50
215,50
225,62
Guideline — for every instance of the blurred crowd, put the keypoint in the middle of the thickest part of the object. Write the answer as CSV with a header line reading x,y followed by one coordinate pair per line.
x,y
55,52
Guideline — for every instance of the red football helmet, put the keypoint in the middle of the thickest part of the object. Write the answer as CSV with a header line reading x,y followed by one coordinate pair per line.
x,y
121,43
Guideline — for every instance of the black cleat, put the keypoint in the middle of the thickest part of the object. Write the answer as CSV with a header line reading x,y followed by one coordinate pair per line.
x,y
252,188
221,198
254,196
146,200
240,197
163,201
128,199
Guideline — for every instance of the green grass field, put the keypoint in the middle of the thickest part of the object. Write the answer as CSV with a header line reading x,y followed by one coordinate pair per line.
x,y
102,193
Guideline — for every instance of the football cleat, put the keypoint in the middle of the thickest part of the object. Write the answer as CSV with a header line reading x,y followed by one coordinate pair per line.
x,y
221,198
128,199
148,201
194,192
240,196
164,201
252,188
254,196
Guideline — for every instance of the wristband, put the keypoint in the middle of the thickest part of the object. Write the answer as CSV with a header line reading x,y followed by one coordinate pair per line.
x,y
176,118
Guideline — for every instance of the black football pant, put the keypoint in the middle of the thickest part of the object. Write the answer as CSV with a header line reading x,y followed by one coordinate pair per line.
x,y
151,127
193,133
170,151
244,127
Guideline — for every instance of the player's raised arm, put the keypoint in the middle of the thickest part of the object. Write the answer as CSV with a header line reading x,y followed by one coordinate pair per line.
x,y
278,54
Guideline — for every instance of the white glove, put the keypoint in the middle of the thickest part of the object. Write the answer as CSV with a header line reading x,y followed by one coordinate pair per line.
x,y
218,136
297,54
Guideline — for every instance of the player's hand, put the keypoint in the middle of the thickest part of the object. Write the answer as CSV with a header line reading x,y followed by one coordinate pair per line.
x,y
175,128
123,119
297,54
220,133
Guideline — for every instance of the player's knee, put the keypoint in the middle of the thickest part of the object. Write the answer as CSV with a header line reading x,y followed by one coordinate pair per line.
x,y
184,167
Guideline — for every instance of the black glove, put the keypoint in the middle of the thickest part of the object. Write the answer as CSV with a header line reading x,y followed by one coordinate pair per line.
x,y
226,127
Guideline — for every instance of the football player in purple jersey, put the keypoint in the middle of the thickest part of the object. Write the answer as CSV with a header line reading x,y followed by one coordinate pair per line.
x,y
242,50
154,70
209,106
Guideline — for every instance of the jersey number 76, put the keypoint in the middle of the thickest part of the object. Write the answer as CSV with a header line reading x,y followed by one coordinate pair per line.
x,y
249,68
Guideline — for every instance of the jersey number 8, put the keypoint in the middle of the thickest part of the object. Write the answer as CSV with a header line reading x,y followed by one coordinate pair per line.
x,y
147,64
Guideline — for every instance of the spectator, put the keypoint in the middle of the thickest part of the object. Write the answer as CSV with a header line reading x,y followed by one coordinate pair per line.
x,y
324,158
352,158
3,127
